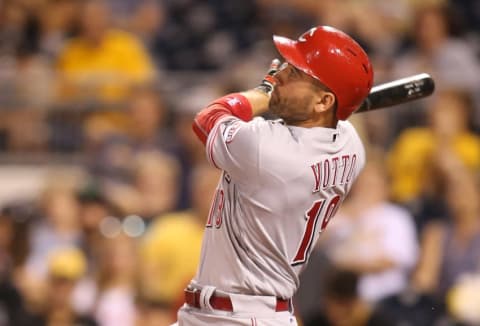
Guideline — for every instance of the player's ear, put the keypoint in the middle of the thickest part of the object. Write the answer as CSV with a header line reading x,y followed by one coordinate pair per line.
x,y
324,101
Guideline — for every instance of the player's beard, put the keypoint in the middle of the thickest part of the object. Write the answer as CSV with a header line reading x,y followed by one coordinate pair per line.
x,y
292,110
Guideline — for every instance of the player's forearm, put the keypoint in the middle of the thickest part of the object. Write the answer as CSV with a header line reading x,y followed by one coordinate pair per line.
x,y
258,101
234,104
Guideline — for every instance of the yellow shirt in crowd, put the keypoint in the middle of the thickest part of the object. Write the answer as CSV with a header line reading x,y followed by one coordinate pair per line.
x,y
106,69
410,160
170,252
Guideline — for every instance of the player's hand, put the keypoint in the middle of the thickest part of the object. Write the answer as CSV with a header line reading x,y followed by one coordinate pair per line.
x,y
268,82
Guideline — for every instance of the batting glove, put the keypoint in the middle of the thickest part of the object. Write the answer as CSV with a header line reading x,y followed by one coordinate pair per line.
x,y
268,82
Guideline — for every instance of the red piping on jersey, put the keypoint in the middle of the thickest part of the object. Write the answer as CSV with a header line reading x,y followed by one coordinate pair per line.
x,y
233,104
210,146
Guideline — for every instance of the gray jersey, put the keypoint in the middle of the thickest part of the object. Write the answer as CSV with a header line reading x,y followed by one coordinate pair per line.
x,y
280,188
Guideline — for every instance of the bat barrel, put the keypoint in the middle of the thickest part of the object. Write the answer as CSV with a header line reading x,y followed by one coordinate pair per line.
x,y
398,92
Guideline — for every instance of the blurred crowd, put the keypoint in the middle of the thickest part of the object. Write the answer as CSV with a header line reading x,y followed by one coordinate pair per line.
x,y
105,189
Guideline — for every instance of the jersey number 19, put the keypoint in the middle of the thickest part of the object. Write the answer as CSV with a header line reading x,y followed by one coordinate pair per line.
x,y
311,217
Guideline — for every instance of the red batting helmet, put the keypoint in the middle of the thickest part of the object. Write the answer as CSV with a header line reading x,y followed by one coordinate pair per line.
x,y
336,60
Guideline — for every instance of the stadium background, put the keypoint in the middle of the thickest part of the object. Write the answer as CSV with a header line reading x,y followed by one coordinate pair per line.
x,y
104,190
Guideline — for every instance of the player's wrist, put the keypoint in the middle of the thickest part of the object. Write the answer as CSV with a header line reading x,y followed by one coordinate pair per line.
x,y
258,101
268,83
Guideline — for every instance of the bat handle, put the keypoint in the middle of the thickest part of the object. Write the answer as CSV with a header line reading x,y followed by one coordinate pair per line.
x,y
366,105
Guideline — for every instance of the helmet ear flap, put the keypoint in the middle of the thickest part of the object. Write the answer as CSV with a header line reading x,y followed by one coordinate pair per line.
x,y
336,60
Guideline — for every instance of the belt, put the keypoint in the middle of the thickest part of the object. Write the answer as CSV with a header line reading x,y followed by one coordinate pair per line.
x,y
192,298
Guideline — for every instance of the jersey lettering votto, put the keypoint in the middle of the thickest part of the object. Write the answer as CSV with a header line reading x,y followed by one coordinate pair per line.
x,y
280,188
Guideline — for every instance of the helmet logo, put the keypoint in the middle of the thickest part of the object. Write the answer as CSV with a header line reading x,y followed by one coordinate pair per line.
x,y
309,33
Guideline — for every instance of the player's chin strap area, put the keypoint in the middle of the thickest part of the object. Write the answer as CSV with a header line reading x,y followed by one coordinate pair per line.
x,y
209,299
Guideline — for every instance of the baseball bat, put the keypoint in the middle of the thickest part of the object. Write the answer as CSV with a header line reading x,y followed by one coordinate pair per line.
x,y
398,91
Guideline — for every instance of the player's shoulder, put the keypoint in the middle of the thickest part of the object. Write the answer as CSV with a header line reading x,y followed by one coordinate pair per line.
x,y
347,131
350,135
236,128
346,127
262,122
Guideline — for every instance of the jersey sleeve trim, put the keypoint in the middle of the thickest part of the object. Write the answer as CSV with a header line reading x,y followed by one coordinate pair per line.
x,y
211,143
206,120
234,104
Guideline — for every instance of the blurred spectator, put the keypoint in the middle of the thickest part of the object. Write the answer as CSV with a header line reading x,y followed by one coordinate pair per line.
x,y
14,125
150,313
343,306
412,156
469,10
66,267
463,299
109,112
57,21
14,231
6,241
147,21
156,180
115,303
451,248
412,308
380,26
12,309
205,34
169,262
311,293
111,160
34,80
288,18
147,121
12,25
102,62
373,237
154,189
189,151
94,207
450,60
93,211
26,77
58,227
114,138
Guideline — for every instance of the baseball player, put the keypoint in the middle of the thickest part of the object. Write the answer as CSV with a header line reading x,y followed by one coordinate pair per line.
x,y
282,180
